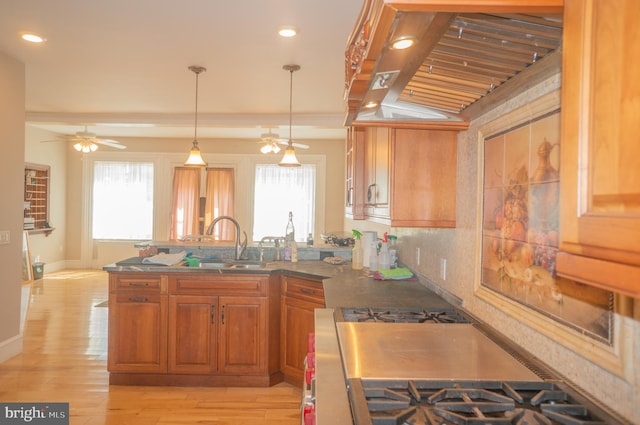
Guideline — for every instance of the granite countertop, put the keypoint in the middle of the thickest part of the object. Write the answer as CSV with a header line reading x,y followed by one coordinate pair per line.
x,y
343,286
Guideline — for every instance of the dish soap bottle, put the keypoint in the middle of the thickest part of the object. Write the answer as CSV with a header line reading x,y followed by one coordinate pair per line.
x,y
357,253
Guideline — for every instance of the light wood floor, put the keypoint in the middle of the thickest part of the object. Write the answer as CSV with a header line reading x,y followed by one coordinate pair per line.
x,y
64,360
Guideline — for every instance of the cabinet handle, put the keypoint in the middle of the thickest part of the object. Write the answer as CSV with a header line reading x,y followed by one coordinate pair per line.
x,y
307,291
213,314
138,283
349,196
370,194
138,299
223,314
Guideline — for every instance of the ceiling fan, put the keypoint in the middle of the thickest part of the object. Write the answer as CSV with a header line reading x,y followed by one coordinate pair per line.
x,y
272,140
86,141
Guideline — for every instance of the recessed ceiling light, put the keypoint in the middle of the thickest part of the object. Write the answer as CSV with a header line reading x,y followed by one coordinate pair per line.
x,y
287,31
402,43
32,37
371,104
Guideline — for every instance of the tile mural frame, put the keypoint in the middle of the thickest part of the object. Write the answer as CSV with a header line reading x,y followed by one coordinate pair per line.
x,y
608,349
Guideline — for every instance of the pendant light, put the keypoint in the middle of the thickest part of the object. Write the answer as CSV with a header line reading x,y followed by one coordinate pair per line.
x,y
195,159
289,159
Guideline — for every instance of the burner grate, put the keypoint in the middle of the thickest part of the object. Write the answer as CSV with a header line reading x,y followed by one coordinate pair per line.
x,y
402,315
466,403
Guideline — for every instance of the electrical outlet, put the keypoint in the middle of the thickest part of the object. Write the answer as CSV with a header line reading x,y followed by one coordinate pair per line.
x,y
417,256
443,268
5,236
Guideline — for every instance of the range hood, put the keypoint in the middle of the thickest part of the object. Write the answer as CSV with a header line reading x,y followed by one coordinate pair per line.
x,y
465,57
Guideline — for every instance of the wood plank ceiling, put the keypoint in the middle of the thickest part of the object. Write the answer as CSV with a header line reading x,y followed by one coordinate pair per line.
x,y
478,53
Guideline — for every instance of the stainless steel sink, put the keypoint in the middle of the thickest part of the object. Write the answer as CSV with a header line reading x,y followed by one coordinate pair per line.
x,y
232,264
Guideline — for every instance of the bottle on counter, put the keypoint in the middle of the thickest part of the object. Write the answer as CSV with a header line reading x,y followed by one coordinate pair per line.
x,y
294,251
373,257
289,238
310,240
357,252
290,232
393,253
385,257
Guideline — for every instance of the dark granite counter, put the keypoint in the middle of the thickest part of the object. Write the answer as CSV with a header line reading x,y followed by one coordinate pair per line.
x,y
343,287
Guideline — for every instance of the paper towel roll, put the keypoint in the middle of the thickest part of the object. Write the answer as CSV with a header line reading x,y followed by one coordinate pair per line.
x,y
367,240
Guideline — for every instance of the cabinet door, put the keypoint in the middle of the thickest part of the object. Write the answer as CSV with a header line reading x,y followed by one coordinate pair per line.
x,y
192,334
377,171
600,168
355,173
297,323
243,330
137,333
423,178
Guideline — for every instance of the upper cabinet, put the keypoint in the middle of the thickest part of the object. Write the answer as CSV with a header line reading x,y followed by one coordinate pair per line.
x,y
600,173
354,199
409,177
453,60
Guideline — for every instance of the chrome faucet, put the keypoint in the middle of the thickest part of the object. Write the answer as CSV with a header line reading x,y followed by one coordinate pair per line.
x,y
276,245
240,247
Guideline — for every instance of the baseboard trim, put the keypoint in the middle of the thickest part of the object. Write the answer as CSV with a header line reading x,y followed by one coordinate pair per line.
x,y
10,347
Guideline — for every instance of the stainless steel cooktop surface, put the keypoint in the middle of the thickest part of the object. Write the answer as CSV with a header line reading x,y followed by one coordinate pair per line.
x,y
455,351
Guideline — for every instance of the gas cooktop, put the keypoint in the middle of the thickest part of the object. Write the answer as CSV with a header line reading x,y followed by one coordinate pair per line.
x,y
400,315
402,402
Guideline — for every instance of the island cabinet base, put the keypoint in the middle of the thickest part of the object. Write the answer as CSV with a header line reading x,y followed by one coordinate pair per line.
x,y
180,380
194,329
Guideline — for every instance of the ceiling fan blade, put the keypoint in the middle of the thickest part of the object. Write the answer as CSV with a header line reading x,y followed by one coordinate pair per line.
x,y
296,145
110,143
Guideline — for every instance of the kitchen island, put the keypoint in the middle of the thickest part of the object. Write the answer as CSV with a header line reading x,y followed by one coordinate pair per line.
x,y
180,325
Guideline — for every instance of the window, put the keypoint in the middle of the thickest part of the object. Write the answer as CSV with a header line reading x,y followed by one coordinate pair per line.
x,y
185,211
122,200
191,214
279,190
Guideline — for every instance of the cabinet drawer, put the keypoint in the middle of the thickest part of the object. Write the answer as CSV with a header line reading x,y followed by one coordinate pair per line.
x,y
232,284
136,282
309,290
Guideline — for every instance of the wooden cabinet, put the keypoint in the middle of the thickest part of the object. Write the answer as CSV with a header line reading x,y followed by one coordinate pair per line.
x,y
377,144
243,336
137,324
300,297
194,329
354,199
423,178
600,170
410,177
193,333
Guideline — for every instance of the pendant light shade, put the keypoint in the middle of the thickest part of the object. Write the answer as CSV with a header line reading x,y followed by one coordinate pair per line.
x,y
195,158
289,159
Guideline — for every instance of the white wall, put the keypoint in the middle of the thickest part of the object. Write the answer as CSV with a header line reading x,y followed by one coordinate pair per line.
x,y
12,112
50,249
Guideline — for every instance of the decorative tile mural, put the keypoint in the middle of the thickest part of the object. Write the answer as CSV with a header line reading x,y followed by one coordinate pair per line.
x,y
520,228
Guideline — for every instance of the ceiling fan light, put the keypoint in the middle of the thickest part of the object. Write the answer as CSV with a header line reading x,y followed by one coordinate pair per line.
x,y
78,146
93,147
289,159
275,148
266,148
